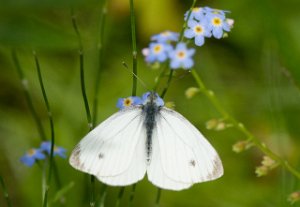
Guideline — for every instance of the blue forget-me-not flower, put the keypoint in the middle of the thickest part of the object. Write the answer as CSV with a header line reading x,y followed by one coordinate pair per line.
x,y
158,52
217,23
215,11
181,57
135,100
213,20
197,30
46,146
165,36
129,101
204,22
32,156
159,101
197,13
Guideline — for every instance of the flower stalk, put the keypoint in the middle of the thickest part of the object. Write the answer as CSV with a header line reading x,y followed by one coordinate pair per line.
x,y
84,96
45,201
181,36
5,192
238,125
100,61
134,48
28,98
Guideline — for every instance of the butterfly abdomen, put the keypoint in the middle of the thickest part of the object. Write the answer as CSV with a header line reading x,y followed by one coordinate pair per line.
x,y
150,110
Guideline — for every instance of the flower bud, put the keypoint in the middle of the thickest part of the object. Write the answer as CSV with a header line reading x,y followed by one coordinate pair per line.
x,y
145,51
230,22
241,146
191,92
211,124
170,105
261,171
155,65
268,162
225,35
294,197
220,126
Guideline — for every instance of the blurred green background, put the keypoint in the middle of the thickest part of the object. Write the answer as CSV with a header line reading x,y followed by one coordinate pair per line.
x,y
254,72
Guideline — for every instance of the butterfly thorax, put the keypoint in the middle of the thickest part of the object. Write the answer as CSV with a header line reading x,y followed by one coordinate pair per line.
x,y
150,110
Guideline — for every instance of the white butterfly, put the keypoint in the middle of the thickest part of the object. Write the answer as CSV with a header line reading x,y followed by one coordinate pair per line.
x,y
147,138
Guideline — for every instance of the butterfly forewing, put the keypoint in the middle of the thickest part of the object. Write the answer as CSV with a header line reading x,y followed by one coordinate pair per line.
x,y
115,150
186,156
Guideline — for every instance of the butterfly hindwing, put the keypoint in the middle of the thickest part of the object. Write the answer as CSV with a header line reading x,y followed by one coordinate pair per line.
x,y
155,172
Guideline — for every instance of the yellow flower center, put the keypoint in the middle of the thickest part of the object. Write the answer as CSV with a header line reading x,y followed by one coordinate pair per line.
x,y
181,54
196,9
127,102
165,34
217,21
31,152
157,49
198,29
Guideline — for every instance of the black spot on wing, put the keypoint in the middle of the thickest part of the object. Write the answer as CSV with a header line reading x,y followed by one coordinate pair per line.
x,y
100,156
192,163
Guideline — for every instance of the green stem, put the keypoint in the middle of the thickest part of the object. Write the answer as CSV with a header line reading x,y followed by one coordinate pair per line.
x,y
103,196
238,125
161,75
158,195
134,49
56,175
82,79
100,61
75,27
51,127
132,193
168,84
187,19
83,90
5,192
44,182
180,40
134,71
24,82
92,195
121,193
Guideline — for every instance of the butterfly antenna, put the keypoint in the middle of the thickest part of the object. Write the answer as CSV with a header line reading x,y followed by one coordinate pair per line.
x,y
140,80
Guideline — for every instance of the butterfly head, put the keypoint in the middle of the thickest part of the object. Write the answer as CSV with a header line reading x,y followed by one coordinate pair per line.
x,y
152,98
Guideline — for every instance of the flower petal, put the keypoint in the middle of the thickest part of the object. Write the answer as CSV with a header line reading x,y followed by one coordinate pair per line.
x,y
189,33
199,40
218,32
162,57
188,63
120,102
191,52
28,161
175,64
226,27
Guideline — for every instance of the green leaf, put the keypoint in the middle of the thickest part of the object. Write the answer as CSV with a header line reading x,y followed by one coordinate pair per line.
x,y
59,194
